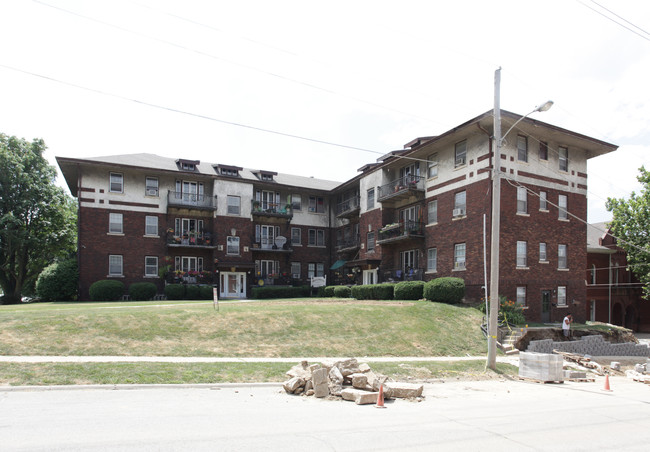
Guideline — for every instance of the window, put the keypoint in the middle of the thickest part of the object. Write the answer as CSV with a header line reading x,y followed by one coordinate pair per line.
x,y
188,166
232,245
459,256
115,223
117,183
543,150
151,225
311,237
296,237
562,256
151,186
115,265
371,199
522,200
432,163
316,204
295,270
320,237
432,259
522,149
227,171
432,216
521,295
542,201
311,270
320,269
561,296
371,242
562,207
522,250
188,263
460,154
542,252
563,154
151,266
296,203
460,204
234,205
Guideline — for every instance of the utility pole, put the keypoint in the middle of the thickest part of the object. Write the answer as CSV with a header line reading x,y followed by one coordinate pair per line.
x,y
496,223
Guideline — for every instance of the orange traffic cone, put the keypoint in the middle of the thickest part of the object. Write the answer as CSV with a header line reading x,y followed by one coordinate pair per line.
x,y
606,388
380,397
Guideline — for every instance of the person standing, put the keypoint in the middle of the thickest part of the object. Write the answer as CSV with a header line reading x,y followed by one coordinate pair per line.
x,y
566,325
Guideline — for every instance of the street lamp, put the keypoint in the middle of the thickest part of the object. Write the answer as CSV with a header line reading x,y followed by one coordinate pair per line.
x,y
496,216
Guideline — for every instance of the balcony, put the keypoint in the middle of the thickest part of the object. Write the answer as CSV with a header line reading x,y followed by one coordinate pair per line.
x,y
269,245
410,274
191,240
348,244
348,208
190,201
271,210
401,231
402,188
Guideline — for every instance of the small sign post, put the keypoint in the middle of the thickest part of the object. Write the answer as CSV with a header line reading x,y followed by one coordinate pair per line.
x,y
215,299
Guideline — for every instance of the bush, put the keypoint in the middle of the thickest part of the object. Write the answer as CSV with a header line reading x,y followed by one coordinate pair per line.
x,y
408,290
59,281
279,292
142,291
509,311
361,292
328,291
383,291
106,290
342,291
205,292
192,292
445,290
175,291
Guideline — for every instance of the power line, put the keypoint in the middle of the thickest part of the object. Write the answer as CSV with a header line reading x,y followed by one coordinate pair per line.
x,y
617,23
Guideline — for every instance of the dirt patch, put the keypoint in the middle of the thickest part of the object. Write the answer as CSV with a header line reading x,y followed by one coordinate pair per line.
x,y
336,301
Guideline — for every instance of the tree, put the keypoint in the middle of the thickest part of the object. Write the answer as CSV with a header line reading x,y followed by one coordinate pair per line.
x,y
631,227
37,218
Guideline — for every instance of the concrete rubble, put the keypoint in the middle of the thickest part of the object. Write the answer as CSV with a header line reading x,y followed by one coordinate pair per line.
x,y
594,345
640,373
347,379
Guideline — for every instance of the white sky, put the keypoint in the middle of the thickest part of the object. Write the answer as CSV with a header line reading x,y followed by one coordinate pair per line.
x,y
366,74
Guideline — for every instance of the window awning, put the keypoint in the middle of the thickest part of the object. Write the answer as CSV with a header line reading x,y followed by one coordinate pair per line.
x,y
337,264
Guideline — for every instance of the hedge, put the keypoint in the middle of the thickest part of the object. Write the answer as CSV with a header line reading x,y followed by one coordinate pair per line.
x,y
142,291
445,290
192,292
328,291
279,292
342,292
58,281
106,290
175,291
409,290
206,292
361,292
383,291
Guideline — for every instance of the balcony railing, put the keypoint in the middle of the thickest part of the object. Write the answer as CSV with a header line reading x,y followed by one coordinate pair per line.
x,y
347,207
267,244
191,200
401,187
348,244
399,231
271,209
191,239
409,274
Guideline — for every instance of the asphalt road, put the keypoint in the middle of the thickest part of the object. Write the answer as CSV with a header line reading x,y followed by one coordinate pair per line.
x,y
485,415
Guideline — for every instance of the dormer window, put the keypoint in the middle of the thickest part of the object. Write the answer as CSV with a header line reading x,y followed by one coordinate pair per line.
x,y
187,165
266,176
227,170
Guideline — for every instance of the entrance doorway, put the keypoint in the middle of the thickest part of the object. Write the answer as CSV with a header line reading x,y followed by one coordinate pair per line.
x,y
546,306
232,285
370,276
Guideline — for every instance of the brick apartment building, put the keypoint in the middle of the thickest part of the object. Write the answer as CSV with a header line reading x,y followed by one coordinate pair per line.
x,y
415,213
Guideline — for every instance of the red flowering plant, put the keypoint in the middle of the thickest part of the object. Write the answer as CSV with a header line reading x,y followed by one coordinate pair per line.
x,y
509,311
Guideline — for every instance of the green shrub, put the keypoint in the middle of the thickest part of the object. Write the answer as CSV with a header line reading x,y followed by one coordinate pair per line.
x,y
328,291
342,292
320,292
106,290
192,292
279,292
361,292
175,291
509,311
206,292
383,291
408,290
142,291
59,281
445,290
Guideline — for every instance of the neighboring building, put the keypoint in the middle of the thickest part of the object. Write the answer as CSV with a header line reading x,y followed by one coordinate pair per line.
x,y
416,213
614,294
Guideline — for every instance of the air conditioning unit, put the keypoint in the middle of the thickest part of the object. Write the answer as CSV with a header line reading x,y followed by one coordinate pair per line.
x,y
459,265
460,161
295,276
152,192
458,212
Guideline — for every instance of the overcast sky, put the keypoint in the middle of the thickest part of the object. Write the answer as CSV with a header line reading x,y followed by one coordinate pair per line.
x,y
205,79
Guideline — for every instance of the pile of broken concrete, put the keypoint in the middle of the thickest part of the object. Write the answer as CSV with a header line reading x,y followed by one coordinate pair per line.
x,y
347,379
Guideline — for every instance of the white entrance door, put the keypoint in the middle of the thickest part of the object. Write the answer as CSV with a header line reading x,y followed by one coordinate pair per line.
x,y
232,285
370,276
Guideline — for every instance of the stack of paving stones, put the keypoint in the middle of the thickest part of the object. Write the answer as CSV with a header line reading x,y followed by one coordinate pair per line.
x,y
594,345
348,380
541,366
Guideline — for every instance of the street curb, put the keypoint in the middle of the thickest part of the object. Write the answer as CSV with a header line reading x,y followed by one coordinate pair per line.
x,y
123,387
